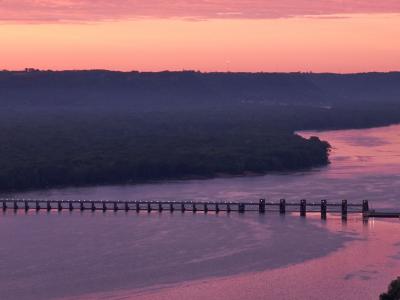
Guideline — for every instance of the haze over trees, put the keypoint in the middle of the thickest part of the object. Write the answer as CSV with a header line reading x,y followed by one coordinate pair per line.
x,y
102,127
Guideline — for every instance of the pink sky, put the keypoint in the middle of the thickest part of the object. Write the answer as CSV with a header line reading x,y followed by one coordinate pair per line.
x,y
243,35
46,10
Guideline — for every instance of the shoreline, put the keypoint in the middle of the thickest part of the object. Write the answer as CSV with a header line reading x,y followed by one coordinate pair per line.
x,y
166,180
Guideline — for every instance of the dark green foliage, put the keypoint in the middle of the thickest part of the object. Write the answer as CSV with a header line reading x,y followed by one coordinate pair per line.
x,y
40,150
393,292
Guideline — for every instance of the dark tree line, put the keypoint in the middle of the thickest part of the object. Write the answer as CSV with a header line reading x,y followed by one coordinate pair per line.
x,y
75,149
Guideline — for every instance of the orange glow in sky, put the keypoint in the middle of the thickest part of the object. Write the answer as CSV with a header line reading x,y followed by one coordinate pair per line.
x,y
331,43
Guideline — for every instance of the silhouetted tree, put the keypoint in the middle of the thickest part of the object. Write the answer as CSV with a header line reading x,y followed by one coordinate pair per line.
x,y
393,292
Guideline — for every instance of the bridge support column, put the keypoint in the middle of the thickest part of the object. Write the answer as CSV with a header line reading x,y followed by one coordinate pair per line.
x,y
4,205
70,206
59,205
323,209
261,206
183,208
137,206
194,207
205,207
93,206
26,205
160,207
282,206
48,205
171,207
116,206
82,207
344,209
126,206
228,208
37,205
217,207
303,207
148,207
15,205
365,208
241,208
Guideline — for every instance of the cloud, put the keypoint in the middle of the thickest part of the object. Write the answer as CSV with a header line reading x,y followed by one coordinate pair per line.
x,y
96,10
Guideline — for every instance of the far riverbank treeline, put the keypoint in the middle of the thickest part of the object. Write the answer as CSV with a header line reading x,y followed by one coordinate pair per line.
x,y
100,127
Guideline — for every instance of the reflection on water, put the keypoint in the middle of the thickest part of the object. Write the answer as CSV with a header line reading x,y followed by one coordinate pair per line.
x,y
362,270
49,256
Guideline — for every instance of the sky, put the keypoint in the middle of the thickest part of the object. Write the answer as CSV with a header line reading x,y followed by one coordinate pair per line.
x,y
342,36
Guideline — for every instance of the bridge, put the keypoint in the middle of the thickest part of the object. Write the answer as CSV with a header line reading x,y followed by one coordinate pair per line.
x,y
262,206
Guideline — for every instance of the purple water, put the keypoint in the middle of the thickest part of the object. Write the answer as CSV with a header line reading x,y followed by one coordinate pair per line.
x,y
74,255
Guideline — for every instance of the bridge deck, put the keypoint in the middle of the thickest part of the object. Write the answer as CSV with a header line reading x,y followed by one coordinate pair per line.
x,y
376,214
261,206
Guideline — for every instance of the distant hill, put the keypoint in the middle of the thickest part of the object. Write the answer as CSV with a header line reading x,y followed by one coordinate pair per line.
x,y
187,88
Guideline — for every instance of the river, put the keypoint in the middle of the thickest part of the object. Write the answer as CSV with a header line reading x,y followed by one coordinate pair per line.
x,y
196,256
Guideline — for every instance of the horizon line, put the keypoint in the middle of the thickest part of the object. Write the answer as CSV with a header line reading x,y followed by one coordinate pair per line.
x,y
33,70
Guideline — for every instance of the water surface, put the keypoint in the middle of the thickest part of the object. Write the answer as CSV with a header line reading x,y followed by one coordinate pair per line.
x,y
64,255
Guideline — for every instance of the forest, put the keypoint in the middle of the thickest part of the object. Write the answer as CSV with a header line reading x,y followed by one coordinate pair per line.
x,y
100,127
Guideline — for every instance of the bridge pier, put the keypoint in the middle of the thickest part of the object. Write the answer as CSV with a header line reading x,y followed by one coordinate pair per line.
x,y
70,206
228,208
194,208
241,208
365,211
183,208
59,206
323,209
26,205
48,206
4,205
303,207
261,206
15,205
205,208
217,207
37,205
282,206
126,206
160,207
171,207
344,209
82,207
365,207
137,207
148,207
93,207
116,206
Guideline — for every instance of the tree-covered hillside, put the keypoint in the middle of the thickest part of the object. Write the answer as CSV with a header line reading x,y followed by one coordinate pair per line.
x,y
100,127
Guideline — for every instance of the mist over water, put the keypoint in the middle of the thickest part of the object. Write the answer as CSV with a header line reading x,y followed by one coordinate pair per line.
x,y
55,255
